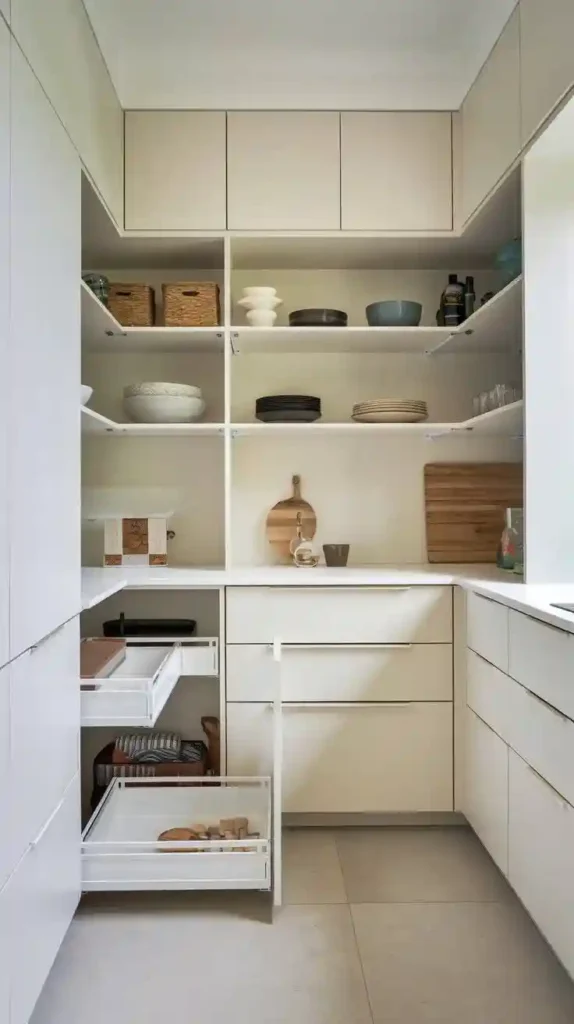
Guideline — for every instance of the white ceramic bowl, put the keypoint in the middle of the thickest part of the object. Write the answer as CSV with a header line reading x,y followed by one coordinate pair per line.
x,y
162,388
163,408
85,394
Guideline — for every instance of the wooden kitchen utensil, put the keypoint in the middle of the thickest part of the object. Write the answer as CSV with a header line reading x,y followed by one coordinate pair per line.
x,y
281,525
464,508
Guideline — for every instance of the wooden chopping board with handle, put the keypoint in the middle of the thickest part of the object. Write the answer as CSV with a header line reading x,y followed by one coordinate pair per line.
x,y
283,518
464,508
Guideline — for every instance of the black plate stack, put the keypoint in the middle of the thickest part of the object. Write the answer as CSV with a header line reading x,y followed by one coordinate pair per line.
x,y
288,409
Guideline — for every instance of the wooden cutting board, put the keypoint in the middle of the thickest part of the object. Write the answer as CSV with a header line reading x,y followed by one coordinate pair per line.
x,y
464,508
281,525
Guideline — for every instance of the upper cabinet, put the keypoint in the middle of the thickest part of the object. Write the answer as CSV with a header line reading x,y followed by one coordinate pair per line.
x,y
547,54
58,41
396,171
44,366
491,120
175,170
4,329
283,171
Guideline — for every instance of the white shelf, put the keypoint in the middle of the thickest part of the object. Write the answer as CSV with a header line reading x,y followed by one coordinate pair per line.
x,y
247,340
504,422
101,332
95,424
494,327
99,584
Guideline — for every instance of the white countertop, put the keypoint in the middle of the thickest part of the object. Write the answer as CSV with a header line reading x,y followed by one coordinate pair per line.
x,y
532,598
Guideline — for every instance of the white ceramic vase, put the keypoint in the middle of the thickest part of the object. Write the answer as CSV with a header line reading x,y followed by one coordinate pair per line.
x,y
261,317
260,304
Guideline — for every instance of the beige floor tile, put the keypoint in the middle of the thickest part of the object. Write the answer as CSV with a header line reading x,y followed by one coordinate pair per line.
x,y
467,963
311,867
207,961
411,865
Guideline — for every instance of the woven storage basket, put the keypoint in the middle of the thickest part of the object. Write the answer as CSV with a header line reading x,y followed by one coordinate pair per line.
x,y
191,304
132,304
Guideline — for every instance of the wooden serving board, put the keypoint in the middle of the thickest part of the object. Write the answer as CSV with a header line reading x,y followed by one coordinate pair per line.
x,y
282,520
464,508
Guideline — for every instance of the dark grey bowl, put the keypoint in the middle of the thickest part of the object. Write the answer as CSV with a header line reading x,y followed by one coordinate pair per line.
x,y
394,313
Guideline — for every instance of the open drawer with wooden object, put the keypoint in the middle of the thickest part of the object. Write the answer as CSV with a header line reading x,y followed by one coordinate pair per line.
x,y
136,691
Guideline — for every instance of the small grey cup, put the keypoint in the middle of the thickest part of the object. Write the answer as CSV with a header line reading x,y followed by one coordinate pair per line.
x,y
336,554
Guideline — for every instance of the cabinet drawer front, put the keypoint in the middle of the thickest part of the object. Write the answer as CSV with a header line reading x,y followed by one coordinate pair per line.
x,y
323,673
486,787
541,657
44,730
387,758
536,731
487,629
42,897
339,615
541,840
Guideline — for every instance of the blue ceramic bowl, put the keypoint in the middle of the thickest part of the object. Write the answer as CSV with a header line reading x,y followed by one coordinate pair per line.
x,y
509,260
394,313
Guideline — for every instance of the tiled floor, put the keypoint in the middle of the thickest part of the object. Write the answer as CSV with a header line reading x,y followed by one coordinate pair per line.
x,y
381,926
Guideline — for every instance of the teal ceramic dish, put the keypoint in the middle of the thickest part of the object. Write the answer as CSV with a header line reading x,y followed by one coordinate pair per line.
x,y
509,260
394,313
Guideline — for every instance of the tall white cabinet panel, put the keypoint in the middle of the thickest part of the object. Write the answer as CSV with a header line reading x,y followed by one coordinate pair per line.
x,y
175,170
390,757
44,469
44,734
547,58
486,787
283,170
58,41
6,928
4,334
396,171
491,119
541,840
5,10
6,862
42,897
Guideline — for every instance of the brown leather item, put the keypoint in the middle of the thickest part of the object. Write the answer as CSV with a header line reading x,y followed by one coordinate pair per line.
x,y
176,835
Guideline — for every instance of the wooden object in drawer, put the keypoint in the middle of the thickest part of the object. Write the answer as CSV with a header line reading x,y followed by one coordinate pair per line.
x,y
464,508
339,615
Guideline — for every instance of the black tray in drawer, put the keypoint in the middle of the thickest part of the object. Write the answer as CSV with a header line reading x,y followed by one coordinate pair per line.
x,y
149,627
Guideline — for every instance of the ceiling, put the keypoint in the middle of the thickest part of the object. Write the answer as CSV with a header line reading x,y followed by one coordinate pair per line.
x,y
300,54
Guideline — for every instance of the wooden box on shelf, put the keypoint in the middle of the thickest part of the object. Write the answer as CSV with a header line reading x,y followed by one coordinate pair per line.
x,y
135,541
191,304
133,305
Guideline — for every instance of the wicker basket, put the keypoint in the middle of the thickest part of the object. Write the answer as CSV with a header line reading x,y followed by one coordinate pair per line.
x,y
132,304
191,304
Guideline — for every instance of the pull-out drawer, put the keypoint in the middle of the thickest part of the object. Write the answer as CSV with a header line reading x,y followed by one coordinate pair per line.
x,y
339,615
379,758
120,848
536,731
486,787
541,841
542,659
487,629
330,672
137,691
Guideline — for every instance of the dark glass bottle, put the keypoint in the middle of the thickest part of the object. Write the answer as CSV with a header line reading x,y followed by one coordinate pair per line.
x,y
452,302
469,297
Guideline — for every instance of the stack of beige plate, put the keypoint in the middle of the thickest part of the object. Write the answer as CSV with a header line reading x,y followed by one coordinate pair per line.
x,y
390,410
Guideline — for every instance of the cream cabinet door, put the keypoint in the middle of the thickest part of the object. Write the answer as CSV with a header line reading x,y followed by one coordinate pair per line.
x,y
396,171
44,364
547,58
385,757
283,171
4,335
175,170
491,120
486,787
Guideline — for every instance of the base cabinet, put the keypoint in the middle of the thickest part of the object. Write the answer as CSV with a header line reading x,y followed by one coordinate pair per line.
x,y
486,787
376,758
541,841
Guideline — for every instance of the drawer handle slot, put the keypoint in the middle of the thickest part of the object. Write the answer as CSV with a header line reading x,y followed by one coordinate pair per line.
x,y
343,647
342,704
549,707
563,803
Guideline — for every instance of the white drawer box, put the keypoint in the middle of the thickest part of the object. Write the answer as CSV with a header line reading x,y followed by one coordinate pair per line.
x,y
486,787
382,759
341,673
137,691
536,731
339,615
542,658
120,848
487,629
541,841
42,896
44,731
